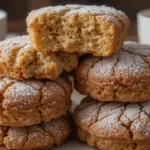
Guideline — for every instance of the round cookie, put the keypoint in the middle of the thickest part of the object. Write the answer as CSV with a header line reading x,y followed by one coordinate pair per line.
x,y
28,102
114,125
124,76
41,136
19,60
98,30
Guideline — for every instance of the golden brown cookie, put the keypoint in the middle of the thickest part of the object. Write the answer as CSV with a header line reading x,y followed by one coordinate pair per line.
x,y
18,59
41,136
28,102
114,125
124,76
99,30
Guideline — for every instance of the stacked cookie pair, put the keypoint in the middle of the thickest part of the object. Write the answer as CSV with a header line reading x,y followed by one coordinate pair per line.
x,y
33,113
116,116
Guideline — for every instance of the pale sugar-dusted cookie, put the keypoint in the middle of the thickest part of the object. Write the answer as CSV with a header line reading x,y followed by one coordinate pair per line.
x,y
124,76
99,30
18,59
28,102
41,136
114,125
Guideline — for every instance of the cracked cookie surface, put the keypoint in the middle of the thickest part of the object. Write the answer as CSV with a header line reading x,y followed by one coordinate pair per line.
x,y
124,76
18,59
103,124
99,30
41,136
28,102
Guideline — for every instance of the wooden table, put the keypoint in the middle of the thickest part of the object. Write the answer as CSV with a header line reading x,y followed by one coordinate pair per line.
x,y
132,31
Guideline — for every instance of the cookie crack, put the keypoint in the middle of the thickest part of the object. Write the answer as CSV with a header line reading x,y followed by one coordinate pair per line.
x,y
137,54
48,133
5,134
130,123
142,110
65,91
41,97
147,62
92,66
9,85
23,145
109,114
113,74
133,52
98,112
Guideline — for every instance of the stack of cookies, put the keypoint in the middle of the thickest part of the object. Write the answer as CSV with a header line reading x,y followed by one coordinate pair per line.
x,y
33,113
36,97
116,113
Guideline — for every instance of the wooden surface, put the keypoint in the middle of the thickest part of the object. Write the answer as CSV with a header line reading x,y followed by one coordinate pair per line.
x,y
132,31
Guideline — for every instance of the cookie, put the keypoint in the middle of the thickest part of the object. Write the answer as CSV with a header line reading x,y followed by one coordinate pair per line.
x,y
99,30
18,59
124,76
41,136
28,102
114,125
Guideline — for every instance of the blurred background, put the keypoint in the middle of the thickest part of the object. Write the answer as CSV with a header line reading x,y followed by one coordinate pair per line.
x,y
18,9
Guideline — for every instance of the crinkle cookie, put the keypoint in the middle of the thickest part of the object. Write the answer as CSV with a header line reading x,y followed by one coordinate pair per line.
x,y
124,76
114,125
28,102
18,59
41,136
99,30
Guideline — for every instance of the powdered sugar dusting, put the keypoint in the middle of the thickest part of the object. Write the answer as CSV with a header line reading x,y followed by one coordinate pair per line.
x,y
11,46
146,106
34,83
109,13
104,67
21,89
20,95
87,114
109,109
113,19
36,133
58,128
131,113
52,93
130,66
31,93
36,136
19,40
115,120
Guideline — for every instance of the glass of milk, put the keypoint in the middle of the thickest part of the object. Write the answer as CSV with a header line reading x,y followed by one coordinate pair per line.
x,y
3,24
143,26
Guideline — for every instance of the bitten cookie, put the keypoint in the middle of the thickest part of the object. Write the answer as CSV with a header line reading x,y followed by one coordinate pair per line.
x,y
99,30
18,59
42,136
124,76
28,102
114,125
